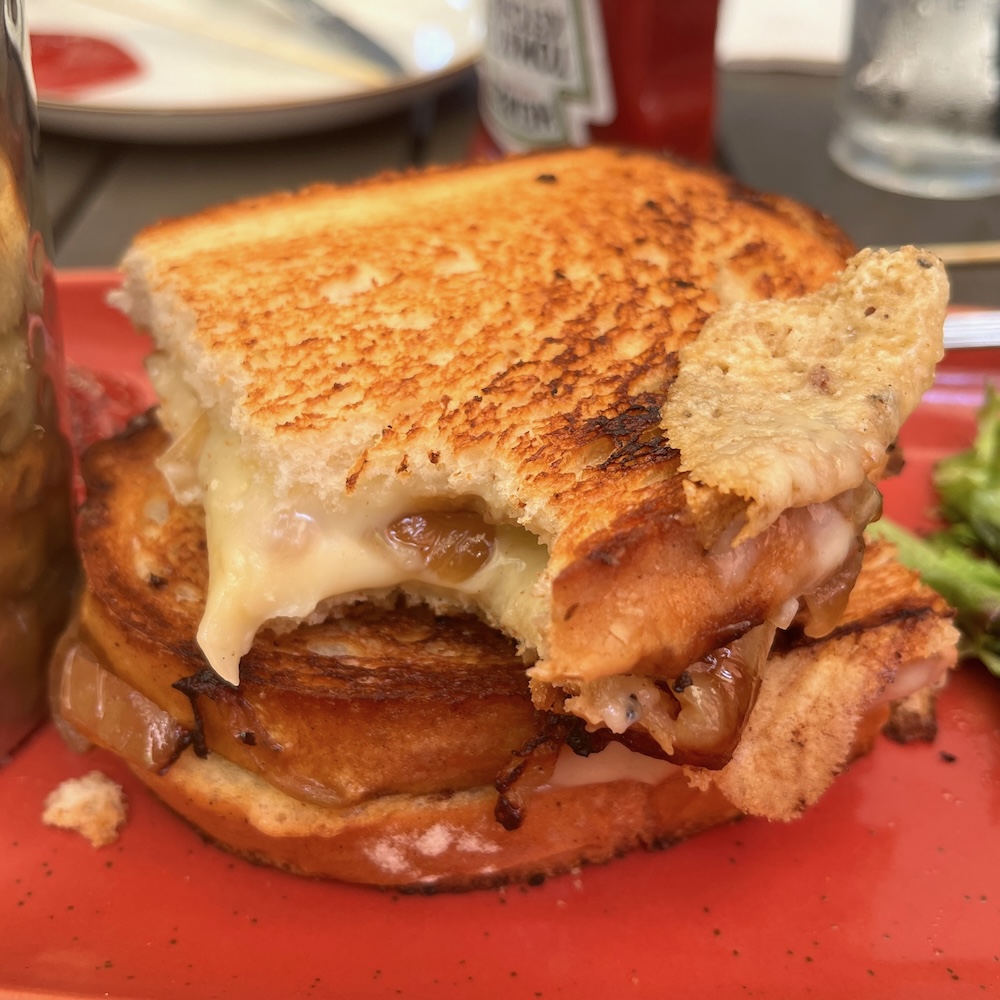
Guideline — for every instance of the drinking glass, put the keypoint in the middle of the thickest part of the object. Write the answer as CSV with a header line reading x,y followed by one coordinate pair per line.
x,y
37,561
918,111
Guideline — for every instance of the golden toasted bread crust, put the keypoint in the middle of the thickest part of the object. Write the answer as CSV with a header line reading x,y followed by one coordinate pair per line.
x,y
448,841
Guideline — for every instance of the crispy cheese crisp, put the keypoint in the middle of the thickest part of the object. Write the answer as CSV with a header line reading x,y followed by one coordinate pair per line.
x,y
783,404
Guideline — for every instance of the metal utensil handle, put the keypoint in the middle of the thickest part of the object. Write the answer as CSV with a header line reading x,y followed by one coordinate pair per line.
x,y
335,27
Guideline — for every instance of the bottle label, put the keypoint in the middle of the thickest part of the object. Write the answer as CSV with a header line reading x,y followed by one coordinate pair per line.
x,y
544,75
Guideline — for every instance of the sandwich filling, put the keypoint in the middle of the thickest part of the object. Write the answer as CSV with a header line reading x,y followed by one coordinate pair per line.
x,y
627,446
777,503
380,706
272,560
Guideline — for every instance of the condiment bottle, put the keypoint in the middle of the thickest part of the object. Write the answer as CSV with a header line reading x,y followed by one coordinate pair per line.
x,y
624,72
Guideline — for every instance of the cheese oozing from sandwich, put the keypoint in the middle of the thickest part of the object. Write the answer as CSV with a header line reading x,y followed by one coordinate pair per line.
x,y
272,559
281,558
284,551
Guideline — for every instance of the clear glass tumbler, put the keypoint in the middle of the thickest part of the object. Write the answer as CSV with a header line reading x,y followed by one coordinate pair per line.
x,y
918,111
37,560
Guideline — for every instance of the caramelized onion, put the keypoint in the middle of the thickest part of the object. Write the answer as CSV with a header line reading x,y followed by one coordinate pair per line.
x,y
696,718
716,695
105,710
529,766
824,607
452,544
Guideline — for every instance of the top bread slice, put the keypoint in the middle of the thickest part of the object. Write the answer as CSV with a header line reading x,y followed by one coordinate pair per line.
x,y
506,336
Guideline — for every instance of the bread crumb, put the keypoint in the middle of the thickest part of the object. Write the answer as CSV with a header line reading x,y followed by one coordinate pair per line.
x,y
93,805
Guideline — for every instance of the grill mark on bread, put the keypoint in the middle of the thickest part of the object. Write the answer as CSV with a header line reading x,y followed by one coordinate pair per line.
x,y
903,617
635,433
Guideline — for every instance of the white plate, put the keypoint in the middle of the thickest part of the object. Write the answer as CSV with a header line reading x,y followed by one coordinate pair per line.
x,y
216,70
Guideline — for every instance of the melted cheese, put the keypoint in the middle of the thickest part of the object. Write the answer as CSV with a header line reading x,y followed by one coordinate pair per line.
x,y
280,559
271,559
614,763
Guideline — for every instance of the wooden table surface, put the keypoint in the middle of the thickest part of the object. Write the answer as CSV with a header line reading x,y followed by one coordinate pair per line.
x,y
772,129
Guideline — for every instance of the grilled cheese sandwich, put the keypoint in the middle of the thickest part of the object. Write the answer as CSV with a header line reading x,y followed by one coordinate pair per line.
x,y
392,746
403,384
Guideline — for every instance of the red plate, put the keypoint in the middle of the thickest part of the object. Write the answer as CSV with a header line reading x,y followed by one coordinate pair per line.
x,y
889,887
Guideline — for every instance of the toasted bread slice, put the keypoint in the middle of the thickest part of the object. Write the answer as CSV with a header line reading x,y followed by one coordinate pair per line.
x,y
339,366
370,746
895,638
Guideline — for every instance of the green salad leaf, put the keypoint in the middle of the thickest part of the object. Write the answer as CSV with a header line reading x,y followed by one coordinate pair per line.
x,y
960,560
968,483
